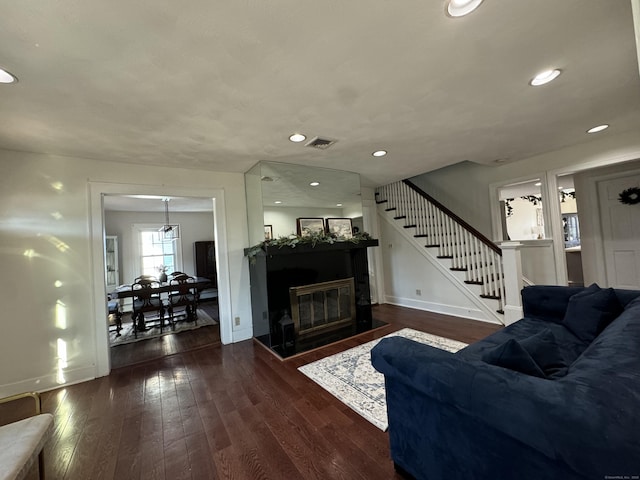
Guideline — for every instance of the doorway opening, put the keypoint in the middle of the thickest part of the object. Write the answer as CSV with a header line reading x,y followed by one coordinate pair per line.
x,y
570,230
135,246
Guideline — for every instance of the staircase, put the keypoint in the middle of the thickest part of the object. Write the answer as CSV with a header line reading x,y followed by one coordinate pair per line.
x,y
472,261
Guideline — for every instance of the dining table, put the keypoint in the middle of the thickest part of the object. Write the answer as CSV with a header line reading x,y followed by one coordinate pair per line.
x,y
127,291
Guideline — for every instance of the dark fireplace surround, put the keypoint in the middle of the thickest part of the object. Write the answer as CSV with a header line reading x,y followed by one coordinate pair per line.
x,y
277,269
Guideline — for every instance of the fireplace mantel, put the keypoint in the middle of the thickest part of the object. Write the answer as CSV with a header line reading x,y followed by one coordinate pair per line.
x,y
319,247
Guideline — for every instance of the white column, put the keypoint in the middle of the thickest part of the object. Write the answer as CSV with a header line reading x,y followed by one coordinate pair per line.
x,y
512,269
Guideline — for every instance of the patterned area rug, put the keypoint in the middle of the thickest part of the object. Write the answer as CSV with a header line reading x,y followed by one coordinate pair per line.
x,y
350,377
127,336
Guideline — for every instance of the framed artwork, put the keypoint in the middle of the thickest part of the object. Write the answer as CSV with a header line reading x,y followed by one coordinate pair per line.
x,y
340,227
268,232
309,226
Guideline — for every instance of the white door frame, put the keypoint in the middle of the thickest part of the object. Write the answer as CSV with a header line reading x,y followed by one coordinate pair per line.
x,y
97,230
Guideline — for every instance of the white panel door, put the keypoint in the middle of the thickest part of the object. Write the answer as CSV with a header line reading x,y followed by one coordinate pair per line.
x,y
620,233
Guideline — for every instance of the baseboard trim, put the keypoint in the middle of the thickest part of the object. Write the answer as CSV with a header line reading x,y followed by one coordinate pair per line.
x,y
49,382
453,310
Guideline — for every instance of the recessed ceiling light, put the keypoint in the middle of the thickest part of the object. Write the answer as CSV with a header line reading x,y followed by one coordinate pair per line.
x,y
277,202
314,184
460,8
537,184
599,128
6,77
379,153
338,204
297,138
545,77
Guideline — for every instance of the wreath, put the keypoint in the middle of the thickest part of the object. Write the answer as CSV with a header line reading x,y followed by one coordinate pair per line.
x,y
630,196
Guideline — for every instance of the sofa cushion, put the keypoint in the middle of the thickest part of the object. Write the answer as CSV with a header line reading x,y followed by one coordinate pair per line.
x,y
590,311
545,351
513,356
538,355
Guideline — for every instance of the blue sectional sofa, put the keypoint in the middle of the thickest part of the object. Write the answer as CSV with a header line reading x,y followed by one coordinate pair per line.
x,y
553,396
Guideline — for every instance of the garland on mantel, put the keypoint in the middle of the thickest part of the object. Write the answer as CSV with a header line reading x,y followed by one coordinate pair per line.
x,y
312,239
630,196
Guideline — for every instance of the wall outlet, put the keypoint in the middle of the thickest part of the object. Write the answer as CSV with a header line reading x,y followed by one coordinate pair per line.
x,y
237,321
418,292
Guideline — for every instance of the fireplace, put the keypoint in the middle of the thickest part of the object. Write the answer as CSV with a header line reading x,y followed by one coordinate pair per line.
x,y
308,296
320,307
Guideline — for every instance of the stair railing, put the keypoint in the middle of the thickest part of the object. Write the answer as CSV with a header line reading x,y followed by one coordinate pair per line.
x,y
469,250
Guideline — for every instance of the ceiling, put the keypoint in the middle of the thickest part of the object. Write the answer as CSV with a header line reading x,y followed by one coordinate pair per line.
x,y
221,85
150,203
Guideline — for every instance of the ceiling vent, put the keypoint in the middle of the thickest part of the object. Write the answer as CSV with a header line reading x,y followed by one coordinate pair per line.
x,y
321,143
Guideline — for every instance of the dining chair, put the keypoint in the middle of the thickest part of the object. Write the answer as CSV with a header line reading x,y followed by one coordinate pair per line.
x,y
183,294
114,314
146,299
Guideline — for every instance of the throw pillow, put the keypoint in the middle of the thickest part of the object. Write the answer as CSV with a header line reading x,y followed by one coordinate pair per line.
x,y
545,351
511,355
590,311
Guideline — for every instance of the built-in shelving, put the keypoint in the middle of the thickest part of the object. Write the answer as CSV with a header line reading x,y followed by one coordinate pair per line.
x,y
112,270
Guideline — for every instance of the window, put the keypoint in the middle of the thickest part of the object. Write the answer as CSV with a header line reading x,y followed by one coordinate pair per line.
x,y
154,251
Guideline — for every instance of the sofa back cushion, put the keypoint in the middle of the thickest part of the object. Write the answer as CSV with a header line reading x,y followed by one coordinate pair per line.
x,y
547,302
590,311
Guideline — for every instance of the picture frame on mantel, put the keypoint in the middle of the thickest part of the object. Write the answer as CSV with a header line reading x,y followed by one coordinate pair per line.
x,y
309,226
268,232
339,227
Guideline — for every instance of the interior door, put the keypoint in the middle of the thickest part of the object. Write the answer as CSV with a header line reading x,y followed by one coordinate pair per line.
x,y
620,233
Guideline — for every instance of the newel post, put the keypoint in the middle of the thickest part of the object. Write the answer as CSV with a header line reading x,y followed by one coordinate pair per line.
x,y
512,268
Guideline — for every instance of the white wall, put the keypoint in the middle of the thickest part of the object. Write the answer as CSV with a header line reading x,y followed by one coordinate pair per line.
x,y
569,205
194,227
538,263
49,284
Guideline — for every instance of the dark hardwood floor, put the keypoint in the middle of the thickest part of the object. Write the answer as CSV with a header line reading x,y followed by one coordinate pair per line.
x,y
161,346
232,412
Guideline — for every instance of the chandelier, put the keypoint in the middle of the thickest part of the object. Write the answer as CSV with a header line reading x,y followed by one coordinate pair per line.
x,y
168,231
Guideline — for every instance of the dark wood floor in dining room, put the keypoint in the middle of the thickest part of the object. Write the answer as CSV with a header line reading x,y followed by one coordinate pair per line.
x,y
229,412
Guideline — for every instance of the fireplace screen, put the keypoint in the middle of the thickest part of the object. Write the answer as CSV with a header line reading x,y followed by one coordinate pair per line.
x,y
322,306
